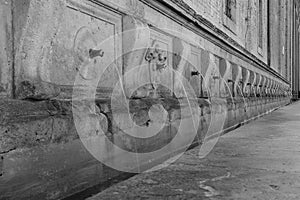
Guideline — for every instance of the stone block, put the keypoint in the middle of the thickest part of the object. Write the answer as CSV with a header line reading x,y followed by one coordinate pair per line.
x,y
6,49
237,80
160,63
51,172
210,71
136,73
193,73
187,66
246,82
36,133
226,81
78,46
150,73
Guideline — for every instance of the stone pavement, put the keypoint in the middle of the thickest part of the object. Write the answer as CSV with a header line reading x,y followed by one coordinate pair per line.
x,y
260,160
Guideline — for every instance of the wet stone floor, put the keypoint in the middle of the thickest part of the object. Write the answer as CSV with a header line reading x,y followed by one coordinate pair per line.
x,y
260,160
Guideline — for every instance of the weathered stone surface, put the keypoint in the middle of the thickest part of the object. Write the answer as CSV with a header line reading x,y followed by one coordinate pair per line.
x,y
26,124
37,90
14,111
6,49
56,42
56,52
50,172
52,124
36,133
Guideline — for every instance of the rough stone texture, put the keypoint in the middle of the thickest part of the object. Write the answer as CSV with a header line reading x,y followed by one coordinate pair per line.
x,y
56,51
51,172
42,136
29,124
6,49
276,47
58,42
37,90
36,133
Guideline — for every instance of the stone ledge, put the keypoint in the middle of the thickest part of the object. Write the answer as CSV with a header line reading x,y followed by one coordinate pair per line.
x,y
49,149
25,124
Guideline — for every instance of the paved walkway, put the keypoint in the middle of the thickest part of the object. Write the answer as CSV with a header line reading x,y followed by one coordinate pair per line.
x,y
260,160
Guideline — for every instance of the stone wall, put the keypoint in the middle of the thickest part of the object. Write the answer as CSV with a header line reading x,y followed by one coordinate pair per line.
x,y
6,46
68,58
245,27
294,15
